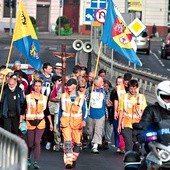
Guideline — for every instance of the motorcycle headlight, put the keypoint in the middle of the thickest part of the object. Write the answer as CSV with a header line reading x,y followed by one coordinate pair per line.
x,y
164,155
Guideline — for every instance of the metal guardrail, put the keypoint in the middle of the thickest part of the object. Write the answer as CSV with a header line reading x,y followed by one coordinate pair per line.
x,y
147,80
13,152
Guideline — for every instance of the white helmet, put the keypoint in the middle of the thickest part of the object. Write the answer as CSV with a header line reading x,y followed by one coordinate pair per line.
x,y
162,92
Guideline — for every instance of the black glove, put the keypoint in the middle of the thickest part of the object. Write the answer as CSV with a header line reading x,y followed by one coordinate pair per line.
x,y
140,135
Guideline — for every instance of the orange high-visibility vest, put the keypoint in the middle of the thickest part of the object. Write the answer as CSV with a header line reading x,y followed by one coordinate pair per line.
x,y
71,111
133,109
35,111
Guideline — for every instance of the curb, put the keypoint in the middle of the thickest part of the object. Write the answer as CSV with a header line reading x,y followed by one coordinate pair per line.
x,y
53,36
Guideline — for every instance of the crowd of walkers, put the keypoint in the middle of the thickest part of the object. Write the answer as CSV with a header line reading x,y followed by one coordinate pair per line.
x,y
86,111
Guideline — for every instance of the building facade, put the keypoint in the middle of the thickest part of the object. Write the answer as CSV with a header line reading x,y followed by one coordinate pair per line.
x,y
46,13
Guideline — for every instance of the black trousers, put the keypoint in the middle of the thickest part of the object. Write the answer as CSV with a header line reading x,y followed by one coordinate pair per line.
x,y
11,124
128,138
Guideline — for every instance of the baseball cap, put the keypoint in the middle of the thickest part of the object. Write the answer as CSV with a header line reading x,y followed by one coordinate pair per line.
x,y
58,65
17,62
127,76
71,81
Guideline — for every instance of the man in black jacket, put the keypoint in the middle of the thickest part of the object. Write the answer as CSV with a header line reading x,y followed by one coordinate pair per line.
x,y
12,101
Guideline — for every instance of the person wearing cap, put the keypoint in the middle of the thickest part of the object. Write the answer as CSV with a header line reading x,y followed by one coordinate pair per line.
x,y
72,118
58,69
17,66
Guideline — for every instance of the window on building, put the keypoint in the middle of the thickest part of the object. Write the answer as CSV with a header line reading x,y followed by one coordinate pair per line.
x,y
6,13
88,27
74,1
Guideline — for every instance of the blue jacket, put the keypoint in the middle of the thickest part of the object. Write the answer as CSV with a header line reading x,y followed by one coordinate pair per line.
x,y
19,100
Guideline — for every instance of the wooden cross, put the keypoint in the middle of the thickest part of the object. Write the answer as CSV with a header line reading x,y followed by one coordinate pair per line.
x,y
64,56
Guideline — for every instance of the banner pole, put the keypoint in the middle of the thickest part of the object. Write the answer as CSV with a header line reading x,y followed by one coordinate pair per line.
x,y
7,63
97,64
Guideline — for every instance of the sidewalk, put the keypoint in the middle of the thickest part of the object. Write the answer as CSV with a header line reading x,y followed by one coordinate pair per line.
x,y
49,35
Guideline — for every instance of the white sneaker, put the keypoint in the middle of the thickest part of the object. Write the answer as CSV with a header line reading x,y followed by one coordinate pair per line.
x,y
48,146
94,150
56,147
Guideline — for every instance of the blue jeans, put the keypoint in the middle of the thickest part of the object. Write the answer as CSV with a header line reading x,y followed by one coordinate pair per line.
x,y
116,135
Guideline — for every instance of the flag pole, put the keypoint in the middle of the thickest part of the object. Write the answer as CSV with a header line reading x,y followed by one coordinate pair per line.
x,y
95,72
7,63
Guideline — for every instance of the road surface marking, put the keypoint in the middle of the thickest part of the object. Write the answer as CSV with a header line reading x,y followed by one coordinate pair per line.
x,y
159,60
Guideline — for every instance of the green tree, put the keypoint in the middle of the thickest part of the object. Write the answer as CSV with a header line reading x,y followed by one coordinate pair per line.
x,y
33,21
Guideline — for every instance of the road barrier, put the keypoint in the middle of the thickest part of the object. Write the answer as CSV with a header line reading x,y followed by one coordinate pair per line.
x,y
13,152
147,80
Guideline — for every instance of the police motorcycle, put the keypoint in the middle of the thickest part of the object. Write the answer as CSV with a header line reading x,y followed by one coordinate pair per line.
x,y
157,149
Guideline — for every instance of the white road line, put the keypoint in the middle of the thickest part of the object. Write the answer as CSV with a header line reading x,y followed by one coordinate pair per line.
x,y
161,63
159,51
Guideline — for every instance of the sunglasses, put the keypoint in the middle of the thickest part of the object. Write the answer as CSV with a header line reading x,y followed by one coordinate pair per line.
x,y
82,86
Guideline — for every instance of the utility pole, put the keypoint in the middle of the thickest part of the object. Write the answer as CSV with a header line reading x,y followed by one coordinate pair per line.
x,y
10,4
10,30
64,56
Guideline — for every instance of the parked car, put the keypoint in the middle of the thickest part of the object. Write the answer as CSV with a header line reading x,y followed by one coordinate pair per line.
x,y
165,48
143,42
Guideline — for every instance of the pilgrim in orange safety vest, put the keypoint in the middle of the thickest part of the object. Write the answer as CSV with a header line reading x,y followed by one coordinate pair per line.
x,y
133,107
71,114
35,110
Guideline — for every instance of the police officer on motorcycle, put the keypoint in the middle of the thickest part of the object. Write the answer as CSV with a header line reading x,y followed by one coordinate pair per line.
x,y
155,117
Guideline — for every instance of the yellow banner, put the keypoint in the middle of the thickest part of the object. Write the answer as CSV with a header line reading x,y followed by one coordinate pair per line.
x,y
23,25
135,5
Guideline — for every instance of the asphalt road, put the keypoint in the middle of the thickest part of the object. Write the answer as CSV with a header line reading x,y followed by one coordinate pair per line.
x,y
105,160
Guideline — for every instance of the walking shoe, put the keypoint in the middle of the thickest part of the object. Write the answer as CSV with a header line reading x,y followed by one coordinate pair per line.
x,y
84,146
74,164
94,150
121,151
29,162
106,146
56,147
68,166
36,166
61,145
48,146
118,150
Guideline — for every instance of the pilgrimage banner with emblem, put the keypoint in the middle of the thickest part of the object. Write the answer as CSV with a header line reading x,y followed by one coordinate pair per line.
x,y
117,36
25,38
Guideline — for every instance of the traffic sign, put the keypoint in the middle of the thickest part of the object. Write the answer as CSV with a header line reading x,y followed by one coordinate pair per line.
x,y
100,15
136,27
89,15
95,24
